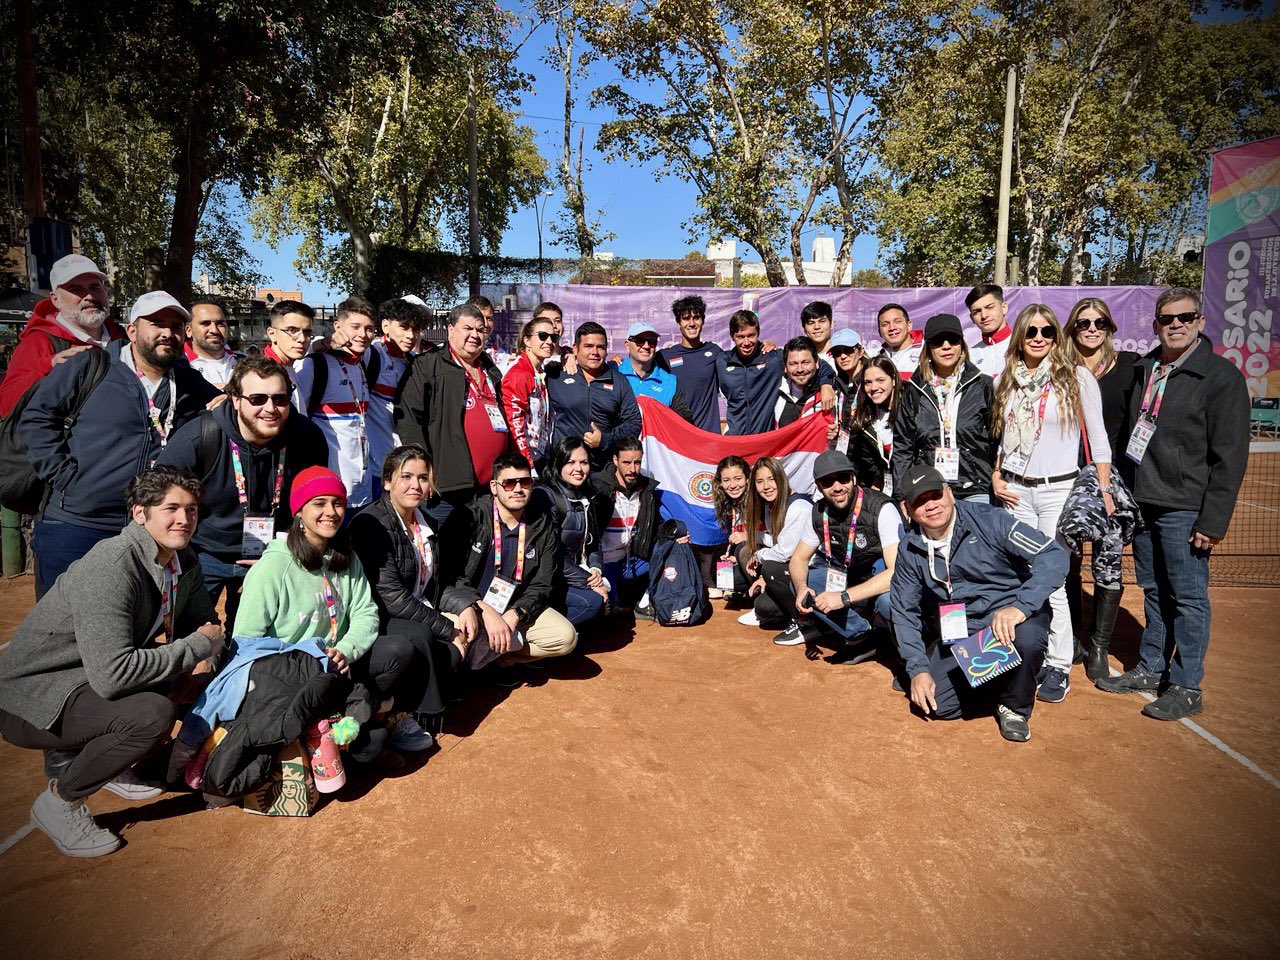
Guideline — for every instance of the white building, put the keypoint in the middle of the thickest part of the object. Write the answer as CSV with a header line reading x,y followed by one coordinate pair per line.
x,y
817,272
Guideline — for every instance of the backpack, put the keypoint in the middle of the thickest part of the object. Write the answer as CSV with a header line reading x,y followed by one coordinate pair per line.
x,y
320,382
207,447
21,489
676,592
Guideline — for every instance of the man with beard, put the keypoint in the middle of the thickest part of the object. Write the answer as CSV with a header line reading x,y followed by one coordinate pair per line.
x,y
247,453
797,395
626,504
144,397
207,349
73,319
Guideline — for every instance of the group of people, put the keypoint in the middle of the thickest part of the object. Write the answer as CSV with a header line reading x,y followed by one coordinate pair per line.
x,y
419,517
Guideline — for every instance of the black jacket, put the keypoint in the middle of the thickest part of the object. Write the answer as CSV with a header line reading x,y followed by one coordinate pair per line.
x,y
391,564
468,543
430,407
604,485
1197,457
867,456
791,407
574,518
221,516
1116,387
917,430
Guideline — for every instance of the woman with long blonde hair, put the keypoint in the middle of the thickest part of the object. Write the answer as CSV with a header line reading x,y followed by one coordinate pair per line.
x,y
1043,403
1090,332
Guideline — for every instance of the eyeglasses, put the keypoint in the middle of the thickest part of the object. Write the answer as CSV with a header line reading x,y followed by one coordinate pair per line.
x,y
524,483
1188,318
947,339
645,341
1048,332
545,335
261,399
294,333
1094,323
834,478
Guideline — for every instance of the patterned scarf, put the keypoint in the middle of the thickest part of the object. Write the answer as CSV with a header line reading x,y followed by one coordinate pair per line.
x,y
1024,407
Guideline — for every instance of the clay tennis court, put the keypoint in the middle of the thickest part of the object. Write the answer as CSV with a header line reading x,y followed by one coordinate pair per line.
x,y
700,792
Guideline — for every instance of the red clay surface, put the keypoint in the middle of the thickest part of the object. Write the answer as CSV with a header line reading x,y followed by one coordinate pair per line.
x,y
702,793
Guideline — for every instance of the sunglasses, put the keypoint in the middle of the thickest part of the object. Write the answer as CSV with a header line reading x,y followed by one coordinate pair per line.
x,y
545,335
645,341
830,480
1188,318
1047,332
261,399
945,339
511,483
1094,323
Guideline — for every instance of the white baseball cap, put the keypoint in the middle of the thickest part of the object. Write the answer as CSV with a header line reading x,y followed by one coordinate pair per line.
x,y
639,328
848,339
71,266
154,302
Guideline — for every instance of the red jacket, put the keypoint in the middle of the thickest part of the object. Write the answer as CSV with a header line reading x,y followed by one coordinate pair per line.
x,y
32,357
530,428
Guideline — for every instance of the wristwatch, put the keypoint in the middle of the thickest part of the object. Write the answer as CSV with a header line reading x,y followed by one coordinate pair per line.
x,y
844,596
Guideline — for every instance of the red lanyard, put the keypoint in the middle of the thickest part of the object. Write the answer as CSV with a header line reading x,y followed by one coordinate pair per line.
x,y
422,545
330,604
1159,393
242,489
853,527
171,573
478,385
497,547
361,405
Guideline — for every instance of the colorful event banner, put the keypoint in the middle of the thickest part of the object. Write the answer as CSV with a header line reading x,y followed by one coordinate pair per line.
x,y
682,461
779,307
1242,250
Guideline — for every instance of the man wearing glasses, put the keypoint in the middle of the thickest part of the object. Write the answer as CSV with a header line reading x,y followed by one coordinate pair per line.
x,y
292,323
1185,459
246,453
649,377
502,563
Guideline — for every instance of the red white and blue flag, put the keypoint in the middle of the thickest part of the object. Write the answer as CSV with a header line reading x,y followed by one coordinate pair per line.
x,y
682,460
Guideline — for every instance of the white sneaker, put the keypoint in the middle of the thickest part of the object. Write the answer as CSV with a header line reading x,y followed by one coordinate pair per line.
x,y
408,736
129,786
749,619
68,824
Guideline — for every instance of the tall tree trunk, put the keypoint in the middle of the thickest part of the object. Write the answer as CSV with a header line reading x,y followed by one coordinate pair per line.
x,y
188,199
473,190
575,199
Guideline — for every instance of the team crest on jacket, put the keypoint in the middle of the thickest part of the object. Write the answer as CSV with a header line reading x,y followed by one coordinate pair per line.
x,y
670,573
700,486
860,540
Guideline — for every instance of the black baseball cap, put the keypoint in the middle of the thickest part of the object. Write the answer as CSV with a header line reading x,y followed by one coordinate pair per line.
x,y
943,323
830,462
917,481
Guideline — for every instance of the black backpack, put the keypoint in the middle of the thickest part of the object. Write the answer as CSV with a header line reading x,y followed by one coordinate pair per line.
x,y
21,489
676,592
320,381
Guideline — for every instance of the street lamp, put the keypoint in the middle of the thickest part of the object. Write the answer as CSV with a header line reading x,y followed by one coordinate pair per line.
x,y
539,205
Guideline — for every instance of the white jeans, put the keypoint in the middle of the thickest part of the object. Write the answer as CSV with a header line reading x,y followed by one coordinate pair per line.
x,y
1040,507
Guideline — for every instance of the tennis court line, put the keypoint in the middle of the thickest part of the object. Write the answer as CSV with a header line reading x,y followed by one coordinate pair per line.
x,y
15,837
1250,503
1226,748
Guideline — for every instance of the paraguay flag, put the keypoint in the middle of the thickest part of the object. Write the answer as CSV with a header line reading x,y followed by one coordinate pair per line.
x,y
682,460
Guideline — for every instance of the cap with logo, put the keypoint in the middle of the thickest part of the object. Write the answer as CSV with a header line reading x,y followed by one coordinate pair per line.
x,y
640,327
831,462
918,481
941,323
71,266
149,304
844,339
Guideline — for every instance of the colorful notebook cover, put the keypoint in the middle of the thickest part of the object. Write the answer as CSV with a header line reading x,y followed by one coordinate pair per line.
x,y
982,657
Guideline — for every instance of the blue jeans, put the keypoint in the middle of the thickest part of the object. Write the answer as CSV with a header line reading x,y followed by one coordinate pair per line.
x,y
58,545
851,622
582,605
628,580
1175,579
440,506
220,575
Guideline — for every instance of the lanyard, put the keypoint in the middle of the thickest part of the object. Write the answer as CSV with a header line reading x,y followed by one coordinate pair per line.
x,y
948,397
497,548
330,605
853,527
153,412
417,535
1159,392
476,384
361,405
946,563
171,572
242,487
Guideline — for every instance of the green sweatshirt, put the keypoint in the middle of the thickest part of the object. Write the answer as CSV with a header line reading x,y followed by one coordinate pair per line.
x,y
284,600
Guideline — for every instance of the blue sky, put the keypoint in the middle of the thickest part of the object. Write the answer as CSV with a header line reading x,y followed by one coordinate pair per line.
x,y
645,213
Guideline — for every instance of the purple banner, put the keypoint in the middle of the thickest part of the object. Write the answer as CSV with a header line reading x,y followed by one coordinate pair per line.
x,y
615,308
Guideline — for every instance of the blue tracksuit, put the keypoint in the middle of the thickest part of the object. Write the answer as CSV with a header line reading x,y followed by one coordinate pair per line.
x,y
607,401
660,385
750,388
695,370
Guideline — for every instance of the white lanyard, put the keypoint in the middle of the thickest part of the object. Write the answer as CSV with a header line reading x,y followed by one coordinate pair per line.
x,y
946,561
153,412
948,408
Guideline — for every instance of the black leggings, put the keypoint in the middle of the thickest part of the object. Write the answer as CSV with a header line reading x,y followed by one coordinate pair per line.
x,y
110,735
431,675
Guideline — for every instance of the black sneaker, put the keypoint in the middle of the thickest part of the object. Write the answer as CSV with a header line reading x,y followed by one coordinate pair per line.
x,y
1042,673
1131,681
1175,704
507,677
797,634
1013,725
1054,687
854,652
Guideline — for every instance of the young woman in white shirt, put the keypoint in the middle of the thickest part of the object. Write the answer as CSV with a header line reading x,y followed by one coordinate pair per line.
x,y
775,521
1043,401
871,443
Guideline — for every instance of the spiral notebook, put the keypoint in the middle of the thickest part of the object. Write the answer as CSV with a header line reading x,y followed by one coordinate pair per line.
x,y
982,657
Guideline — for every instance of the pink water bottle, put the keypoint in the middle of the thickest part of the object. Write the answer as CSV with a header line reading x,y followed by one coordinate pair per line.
x,y
326,764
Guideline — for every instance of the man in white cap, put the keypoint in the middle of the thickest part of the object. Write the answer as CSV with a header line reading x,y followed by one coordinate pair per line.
x,y
73,318
649,374
137,399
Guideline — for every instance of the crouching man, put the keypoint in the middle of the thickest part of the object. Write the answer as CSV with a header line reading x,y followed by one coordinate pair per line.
x,y
970,566
86,670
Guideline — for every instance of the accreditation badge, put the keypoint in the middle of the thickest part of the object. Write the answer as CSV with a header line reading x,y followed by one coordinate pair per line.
x,y
255,534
